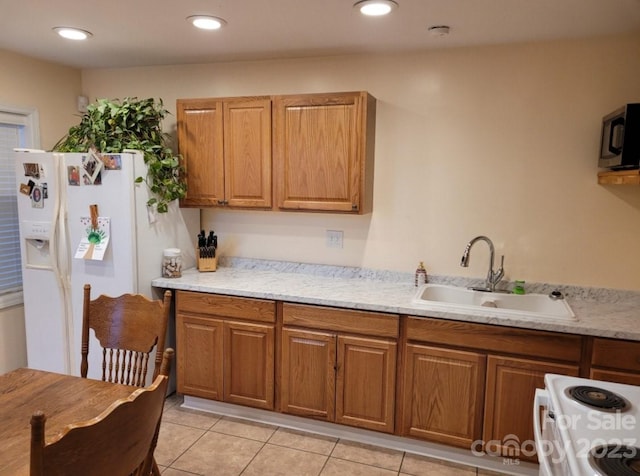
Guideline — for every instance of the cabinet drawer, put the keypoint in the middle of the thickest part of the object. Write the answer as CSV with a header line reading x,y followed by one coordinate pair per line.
x,y
226,306
614,376
550,345
341,320
616,354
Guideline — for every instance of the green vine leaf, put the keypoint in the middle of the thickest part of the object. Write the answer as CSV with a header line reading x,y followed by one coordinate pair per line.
x,y
114,125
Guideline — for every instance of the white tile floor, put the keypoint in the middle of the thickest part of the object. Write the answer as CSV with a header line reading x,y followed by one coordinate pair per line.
x,y
199,443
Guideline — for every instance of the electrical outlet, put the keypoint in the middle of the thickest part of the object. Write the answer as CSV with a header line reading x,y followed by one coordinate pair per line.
x,y
334,238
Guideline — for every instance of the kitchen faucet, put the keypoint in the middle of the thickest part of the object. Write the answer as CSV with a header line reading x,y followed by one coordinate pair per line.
x,y
493,277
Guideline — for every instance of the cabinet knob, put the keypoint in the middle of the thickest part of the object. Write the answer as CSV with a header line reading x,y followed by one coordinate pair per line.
x,y
354,206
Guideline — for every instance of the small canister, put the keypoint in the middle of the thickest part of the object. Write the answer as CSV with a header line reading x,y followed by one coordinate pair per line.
x,y
171,263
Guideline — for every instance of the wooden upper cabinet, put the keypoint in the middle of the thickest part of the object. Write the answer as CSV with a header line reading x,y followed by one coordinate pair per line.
x,y
200,141
323,152
312,152
247,152
226,146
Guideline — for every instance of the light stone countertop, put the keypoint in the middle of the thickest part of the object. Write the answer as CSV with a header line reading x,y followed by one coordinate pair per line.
x,y
599,312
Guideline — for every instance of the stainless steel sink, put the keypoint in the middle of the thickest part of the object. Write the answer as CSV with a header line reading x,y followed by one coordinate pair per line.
x,y
456,299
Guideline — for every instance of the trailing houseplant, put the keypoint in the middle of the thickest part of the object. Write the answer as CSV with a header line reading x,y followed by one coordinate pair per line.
x,y
114,125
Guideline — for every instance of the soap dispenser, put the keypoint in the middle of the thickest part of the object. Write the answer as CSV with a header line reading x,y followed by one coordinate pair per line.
x,y
421,275
519,287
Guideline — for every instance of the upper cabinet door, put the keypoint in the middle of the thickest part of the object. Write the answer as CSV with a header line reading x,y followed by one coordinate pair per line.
x,y
247,152
323,152
200,142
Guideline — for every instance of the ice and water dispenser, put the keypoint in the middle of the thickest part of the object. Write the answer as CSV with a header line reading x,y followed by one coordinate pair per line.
x,y
37,244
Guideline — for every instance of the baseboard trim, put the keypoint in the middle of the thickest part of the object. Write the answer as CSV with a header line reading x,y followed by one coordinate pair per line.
x,y
424,448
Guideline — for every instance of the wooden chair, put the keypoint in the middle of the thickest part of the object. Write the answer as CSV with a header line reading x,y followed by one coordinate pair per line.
x,y
119,441
127,327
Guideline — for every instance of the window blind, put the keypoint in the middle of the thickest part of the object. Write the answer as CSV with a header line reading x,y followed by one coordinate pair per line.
x,y
11,135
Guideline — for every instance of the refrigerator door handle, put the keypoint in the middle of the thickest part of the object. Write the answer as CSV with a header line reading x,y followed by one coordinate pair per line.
x,y
60,261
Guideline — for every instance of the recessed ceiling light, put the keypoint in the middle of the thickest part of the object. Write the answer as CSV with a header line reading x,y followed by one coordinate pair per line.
x,y
438,30
206,22
375,8
72,33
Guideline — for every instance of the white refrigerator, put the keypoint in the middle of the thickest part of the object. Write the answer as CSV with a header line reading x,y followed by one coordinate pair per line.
x,y
60,252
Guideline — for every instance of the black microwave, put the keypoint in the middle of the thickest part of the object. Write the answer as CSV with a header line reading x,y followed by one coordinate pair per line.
x,y
620,143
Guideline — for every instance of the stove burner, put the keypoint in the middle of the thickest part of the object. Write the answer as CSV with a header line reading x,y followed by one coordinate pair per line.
x,y
616,460
598,398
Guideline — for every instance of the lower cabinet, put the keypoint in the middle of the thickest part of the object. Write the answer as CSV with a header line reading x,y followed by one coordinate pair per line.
x,y
248,364
226,348
508,414
472,385
609,375
462,384
308,372
615,361
366,383
199,342
338,377
443,394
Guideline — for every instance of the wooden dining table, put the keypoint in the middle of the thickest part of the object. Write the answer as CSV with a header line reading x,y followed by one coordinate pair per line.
x,y
64,399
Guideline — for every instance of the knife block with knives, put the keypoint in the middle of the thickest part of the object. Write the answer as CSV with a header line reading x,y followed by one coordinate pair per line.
x,y
206,264
206,252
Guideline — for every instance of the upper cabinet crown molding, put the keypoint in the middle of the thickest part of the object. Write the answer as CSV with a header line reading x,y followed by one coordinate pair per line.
x,y
304,152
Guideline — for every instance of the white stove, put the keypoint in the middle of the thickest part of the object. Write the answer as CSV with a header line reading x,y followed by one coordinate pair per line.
x,y
587,427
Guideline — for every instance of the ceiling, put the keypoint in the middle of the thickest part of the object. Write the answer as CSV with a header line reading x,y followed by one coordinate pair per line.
x,y
155,32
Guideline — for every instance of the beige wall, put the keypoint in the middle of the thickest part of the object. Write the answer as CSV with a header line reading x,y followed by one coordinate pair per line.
x,y
500,141
51,89
13,350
